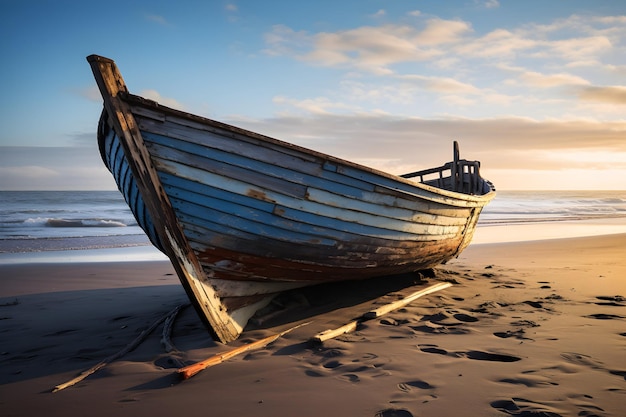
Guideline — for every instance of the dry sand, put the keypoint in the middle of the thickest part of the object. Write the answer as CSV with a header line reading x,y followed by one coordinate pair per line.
x,y
528,329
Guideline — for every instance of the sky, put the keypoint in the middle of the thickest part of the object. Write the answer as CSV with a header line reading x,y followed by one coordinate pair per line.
x,y
535,90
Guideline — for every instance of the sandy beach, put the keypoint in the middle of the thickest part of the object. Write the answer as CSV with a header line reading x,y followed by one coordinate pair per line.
x,y
528,329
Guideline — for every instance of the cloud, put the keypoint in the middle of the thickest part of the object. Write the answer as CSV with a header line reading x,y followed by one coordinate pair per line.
x,y
575,41
354,96
440,84
610,94
575,48
156,96
158,19
319,105
91,93
611,20
440,31
537,79
432,66
491,4
551,80
53,168
506,147
371,48
232,12
27,172
618,69
498,43
368,47
365,93
284,41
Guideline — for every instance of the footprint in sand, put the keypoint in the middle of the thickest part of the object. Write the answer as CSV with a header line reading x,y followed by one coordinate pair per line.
x,y
408,386
490,307
332,364
524,408
524,323
485,356
432,328
580,359
351,377
508,284
603,316
449,318
432,349
615,301
313,373
436,318
169,362
394,412
535,304
470,354
530,381
619,373
518,334
466,318
60,332
332,353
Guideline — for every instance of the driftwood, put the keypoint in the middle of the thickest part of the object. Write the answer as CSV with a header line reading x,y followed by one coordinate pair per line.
x,y
380,311
166,335
332,333
176,356
131,346
191,370
347,328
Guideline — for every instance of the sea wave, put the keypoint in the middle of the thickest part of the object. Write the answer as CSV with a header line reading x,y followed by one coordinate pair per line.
x,y
60,222
491,221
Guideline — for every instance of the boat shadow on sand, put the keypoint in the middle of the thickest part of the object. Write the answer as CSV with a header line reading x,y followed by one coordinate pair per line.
x,y
304,303
62,333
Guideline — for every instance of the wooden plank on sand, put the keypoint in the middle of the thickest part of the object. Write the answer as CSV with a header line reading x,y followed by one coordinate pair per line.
x,y
380,311
189,371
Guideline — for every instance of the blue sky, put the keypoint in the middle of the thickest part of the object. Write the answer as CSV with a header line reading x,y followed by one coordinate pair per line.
x,y
536,90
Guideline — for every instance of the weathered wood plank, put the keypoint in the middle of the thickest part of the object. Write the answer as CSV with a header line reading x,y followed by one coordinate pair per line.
x,y
380,311
112,87
316,213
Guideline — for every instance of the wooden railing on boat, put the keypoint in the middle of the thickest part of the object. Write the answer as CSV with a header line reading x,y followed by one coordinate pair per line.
x,y
459,175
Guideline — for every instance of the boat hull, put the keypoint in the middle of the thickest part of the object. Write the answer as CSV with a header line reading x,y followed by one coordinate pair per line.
x,y
258,216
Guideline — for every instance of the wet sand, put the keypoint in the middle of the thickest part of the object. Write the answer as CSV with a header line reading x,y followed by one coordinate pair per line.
x,y
528,329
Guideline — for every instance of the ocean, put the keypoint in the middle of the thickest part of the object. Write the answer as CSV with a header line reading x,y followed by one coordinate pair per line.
x,y
40,221
33,221
548,206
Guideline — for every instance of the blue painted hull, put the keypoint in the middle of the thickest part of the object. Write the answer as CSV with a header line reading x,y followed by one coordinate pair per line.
x,y
253,212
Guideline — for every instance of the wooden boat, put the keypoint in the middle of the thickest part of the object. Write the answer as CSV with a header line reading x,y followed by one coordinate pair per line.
x,y
243,216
